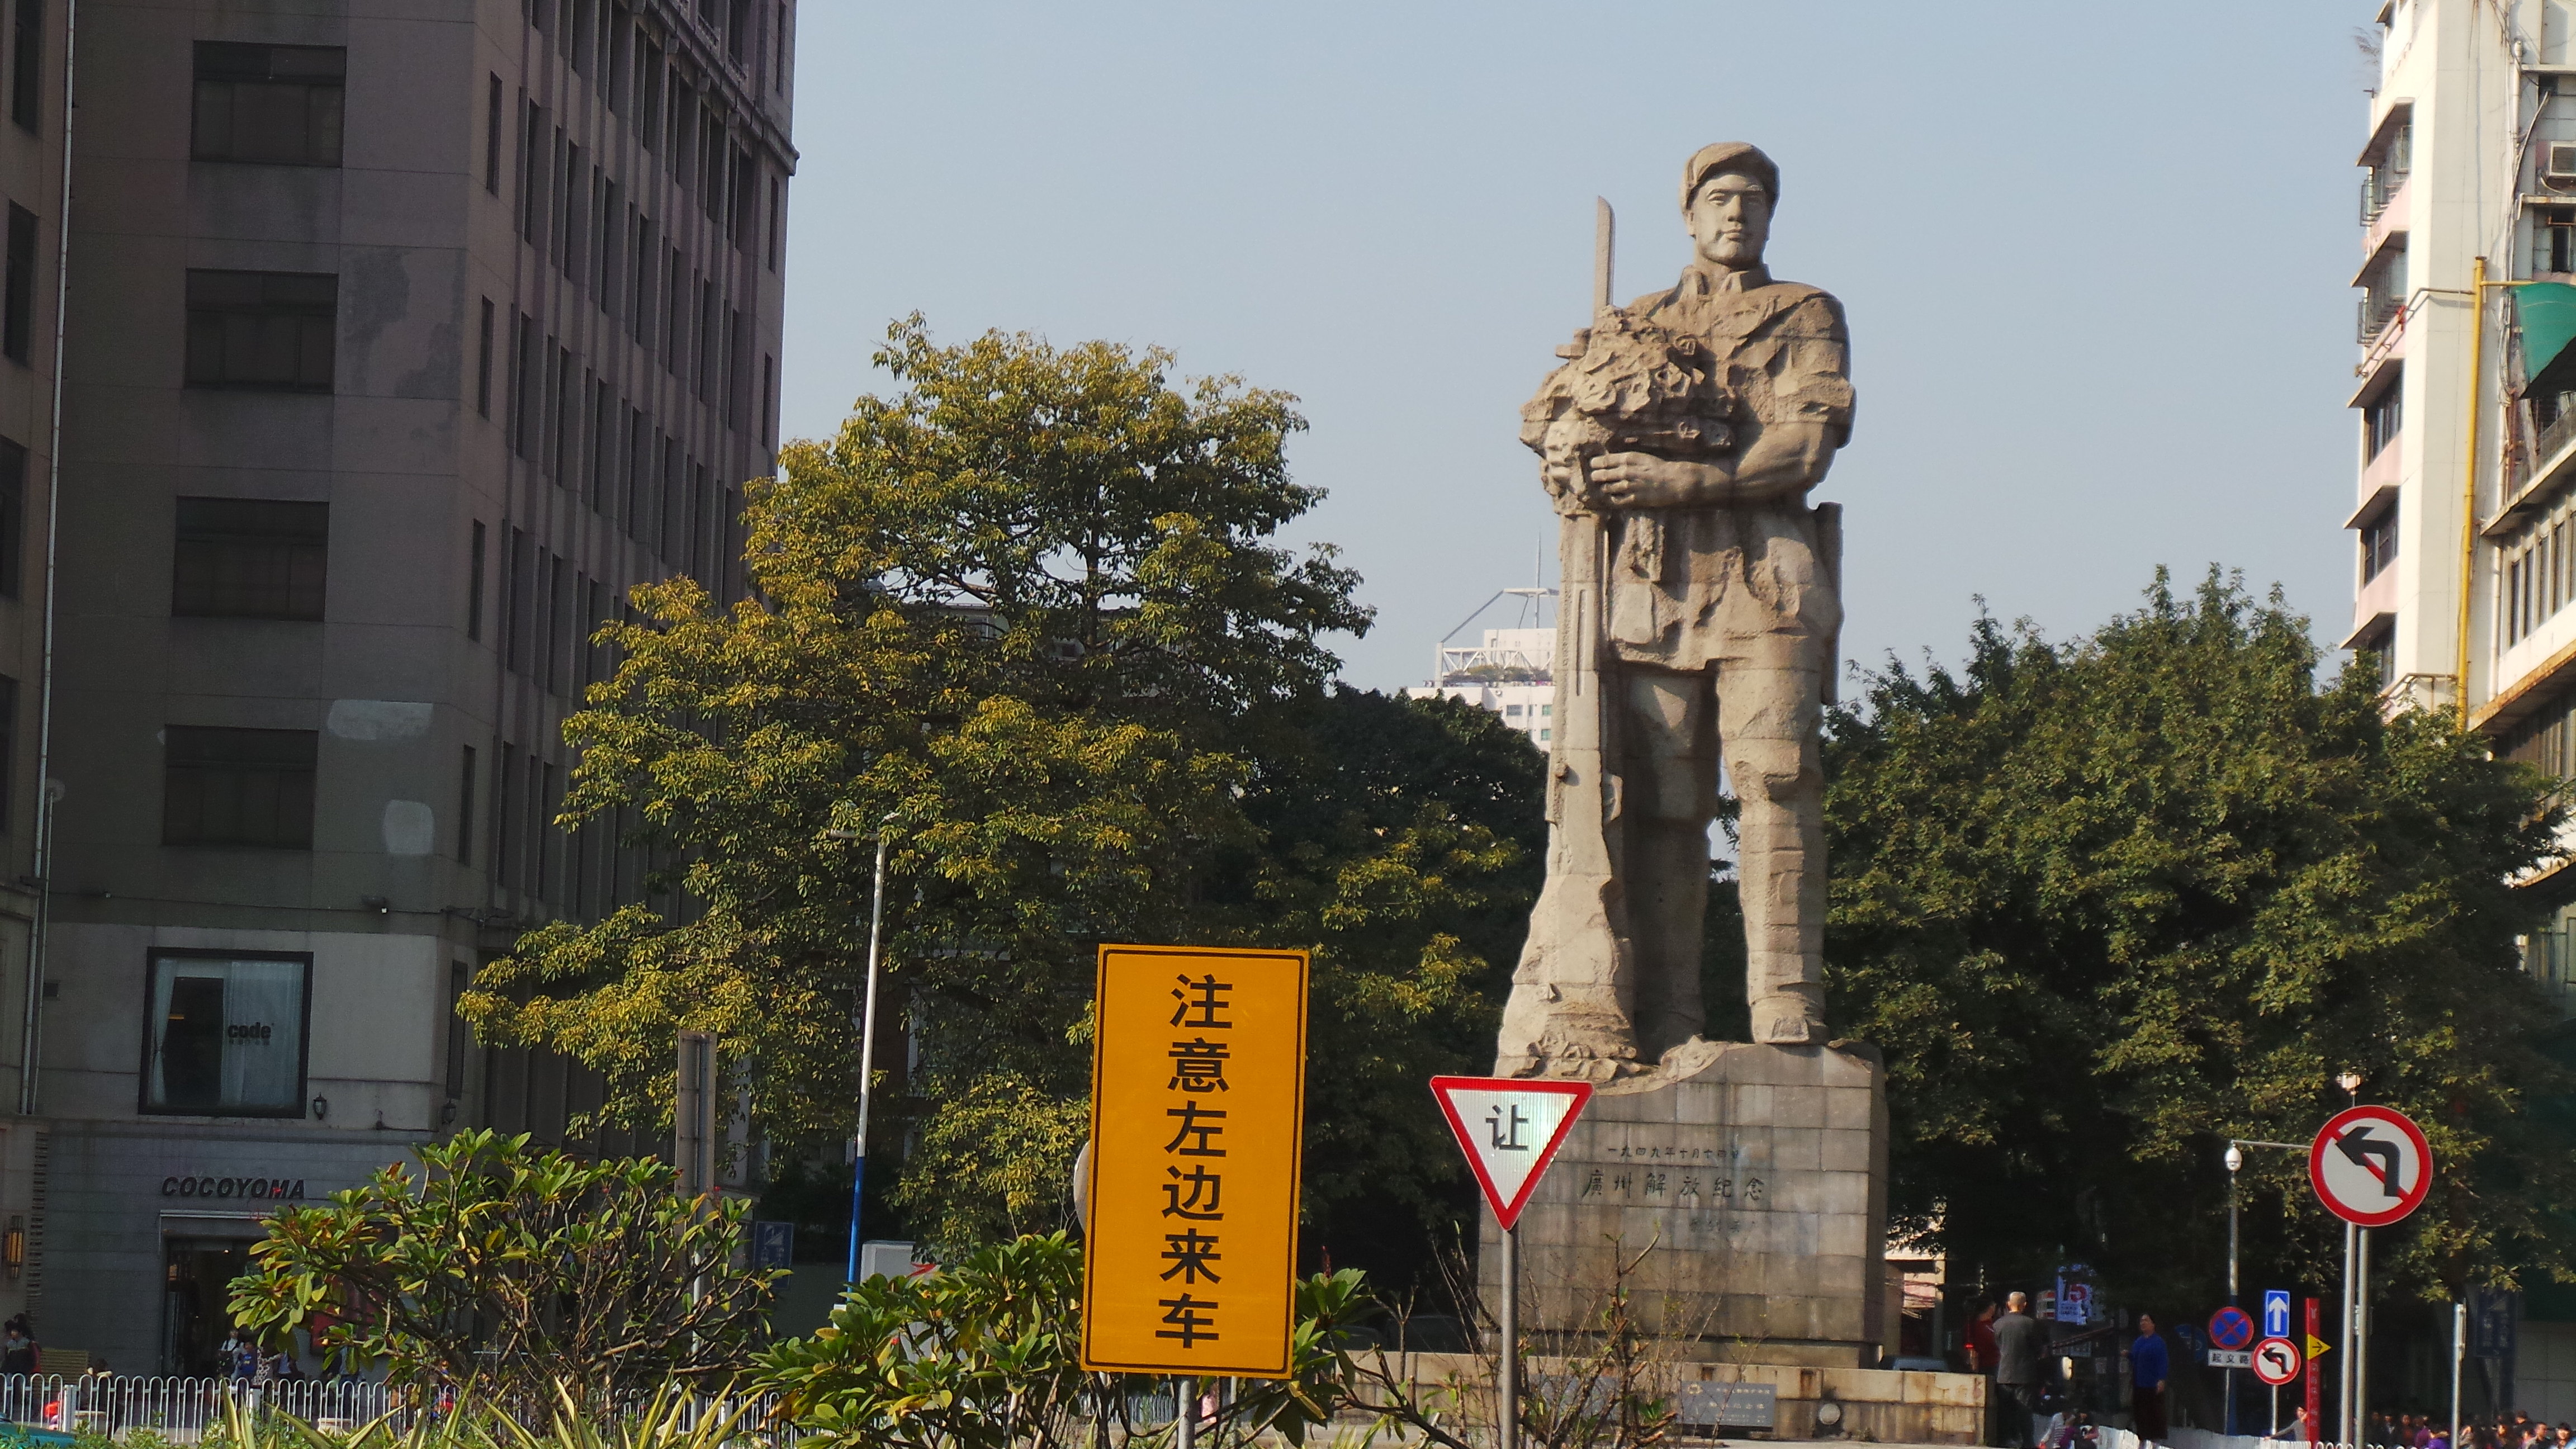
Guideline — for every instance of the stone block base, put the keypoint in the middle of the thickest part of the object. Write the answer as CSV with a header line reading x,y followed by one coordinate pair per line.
x,y
1745,1184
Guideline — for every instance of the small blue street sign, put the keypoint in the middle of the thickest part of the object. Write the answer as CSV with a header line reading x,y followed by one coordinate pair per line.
x,y
2276,1313
2230,1328
773,1245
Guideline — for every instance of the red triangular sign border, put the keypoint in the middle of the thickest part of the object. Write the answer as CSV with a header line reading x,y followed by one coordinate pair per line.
x,y
1509,1213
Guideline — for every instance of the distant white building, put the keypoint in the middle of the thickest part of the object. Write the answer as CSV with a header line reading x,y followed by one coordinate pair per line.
x,y
1511,672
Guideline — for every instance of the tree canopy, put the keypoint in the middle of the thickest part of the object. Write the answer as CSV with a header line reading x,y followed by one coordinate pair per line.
x,y
2107,903
1028,615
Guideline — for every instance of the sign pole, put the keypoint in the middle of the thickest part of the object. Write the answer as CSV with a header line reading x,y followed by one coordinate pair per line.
x,y
2361,1342
1510,1129
2315,1382
2343,1370
1507,1370
1185,1425
2459,1351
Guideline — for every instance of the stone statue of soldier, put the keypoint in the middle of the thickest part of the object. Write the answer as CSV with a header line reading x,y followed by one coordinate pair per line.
x,y
1698,624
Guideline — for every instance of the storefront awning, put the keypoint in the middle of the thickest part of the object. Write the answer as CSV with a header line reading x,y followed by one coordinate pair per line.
x,y
2548,313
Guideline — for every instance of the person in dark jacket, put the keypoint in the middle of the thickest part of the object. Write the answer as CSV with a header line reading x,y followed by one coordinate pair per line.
x,y
2148,1369
2018,1339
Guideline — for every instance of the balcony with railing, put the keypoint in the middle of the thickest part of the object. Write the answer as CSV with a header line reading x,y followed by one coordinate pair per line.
x,y
2378,310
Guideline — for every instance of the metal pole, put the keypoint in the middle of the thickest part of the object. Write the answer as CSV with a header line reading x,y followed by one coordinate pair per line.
x,y
2343,1370
867,1053
2361,1344
1185,1425
1507,1370
2459,1351
2229,1378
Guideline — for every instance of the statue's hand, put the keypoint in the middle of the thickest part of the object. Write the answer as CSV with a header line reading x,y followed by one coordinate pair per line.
x,y
1642,480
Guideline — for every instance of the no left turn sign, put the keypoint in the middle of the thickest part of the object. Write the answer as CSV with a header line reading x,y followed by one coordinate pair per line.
x,y
2370,1165
2276,1361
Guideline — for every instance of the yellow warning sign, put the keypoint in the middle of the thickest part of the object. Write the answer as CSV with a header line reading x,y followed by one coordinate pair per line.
x,y
2316,1345
1197,1112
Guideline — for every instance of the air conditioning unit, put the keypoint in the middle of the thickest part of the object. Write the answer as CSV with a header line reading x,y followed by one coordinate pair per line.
x,y
2558,164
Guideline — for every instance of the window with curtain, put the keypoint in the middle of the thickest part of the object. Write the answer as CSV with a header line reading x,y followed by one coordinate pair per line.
x,y
226,1035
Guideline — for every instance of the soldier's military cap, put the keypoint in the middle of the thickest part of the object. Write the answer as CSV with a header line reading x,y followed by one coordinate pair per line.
x,y
1741,156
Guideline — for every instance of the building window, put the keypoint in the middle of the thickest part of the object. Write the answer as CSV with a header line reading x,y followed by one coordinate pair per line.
x,y
13,518
267,330
2378,544
492,139
225,1036
2553,239
483,365
459,1035
27,64
238,787
275,104
8,752
248,558
465,811
474,587
18,305
2384,414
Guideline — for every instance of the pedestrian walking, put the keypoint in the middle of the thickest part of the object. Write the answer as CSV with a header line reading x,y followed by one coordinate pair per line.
x,y
1977,1356
2018,1339
2148,1369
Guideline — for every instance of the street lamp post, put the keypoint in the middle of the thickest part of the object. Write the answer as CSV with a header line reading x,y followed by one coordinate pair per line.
x,y
2235,1160
2235,1164
867,1039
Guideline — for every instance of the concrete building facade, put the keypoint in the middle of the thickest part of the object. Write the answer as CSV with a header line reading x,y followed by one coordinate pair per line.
x,y
2465,506
405,339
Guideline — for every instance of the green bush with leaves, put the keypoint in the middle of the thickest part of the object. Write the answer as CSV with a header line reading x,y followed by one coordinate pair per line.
x,y
986,1354
505,1270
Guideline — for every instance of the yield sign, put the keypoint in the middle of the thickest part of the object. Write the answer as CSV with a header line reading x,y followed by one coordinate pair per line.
x,y
2276,1361
1509,1128
2371,1165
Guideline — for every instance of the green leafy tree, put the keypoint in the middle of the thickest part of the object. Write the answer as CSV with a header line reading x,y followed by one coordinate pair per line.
x,y
506,1271
2108,902
1030,611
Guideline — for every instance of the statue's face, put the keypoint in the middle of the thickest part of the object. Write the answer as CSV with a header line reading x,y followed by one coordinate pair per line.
x,y
1730,219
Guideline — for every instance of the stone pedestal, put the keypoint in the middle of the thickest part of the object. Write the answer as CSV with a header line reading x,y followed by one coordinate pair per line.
x,y
1752,1179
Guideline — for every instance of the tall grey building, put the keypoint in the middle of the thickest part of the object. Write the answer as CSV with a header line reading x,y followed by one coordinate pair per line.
x,y
404,339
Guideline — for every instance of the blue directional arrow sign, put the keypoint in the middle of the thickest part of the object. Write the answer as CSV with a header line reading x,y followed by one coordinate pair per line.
x,y
2276,1313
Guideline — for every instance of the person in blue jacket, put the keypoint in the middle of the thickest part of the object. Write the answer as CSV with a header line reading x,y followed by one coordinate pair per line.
x,y
2148,1368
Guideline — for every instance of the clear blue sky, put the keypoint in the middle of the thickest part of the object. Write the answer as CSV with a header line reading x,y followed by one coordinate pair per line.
x,y
2095,258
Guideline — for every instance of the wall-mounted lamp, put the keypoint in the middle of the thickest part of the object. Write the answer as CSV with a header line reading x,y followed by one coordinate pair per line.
x,y
447,1114
377,904
321,1108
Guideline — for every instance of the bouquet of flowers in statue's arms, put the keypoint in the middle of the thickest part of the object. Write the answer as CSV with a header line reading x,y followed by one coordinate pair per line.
x,y
1635,388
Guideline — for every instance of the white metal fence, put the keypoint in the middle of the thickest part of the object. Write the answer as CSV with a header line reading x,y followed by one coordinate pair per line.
x,y
183,1409
178,1408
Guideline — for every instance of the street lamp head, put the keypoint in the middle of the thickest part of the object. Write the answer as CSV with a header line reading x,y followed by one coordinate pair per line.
x,y
2235,1158
837,833
2350,1082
